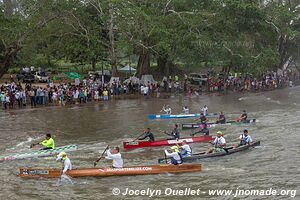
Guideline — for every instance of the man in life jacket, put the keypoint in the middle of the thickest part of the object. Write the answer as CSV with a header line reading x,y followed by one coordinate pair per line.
x,y
203,129
219,143
66,163
186,150
221,118
245,138
48,143
148,134
175,156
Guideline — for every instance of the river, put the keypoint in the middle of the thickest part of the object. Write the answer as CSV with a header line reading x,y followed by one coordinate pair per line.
x,y
274,164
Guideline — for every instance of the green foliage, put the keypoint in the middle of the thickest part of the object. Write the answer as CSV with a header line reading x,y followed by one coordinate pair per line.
x,y
245,36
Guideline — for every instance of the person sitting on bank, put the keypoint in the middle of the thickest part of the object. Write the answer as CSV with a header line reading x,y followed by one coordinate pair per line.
x,y
175,134
148,134
48,143
116,156
221,118
203,129
186,150
175,156
245,138
66,162
219,143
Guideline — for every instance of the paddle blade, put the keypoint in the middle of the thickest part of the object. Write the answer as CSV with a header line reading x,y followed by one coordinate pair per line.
x,y
95,163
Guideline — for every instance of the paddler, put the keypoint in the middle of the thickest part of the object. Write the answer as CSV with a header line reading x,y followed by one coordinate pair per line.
x,y
48,143
66,163
175,156
205,110
221,118
243,117
186,150
219,143
202,118
245,138
203,129
148,134
116,156
175,133
167,109
185,110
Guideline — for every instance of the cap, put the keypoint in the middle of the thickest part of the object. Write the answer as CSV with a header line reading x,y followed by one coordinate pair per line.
x,y
61,156
220,133
175,148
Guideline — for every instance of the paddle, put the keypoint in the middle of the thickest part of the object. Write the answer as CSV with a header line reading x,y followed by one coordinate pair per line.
x,y
95,163
138,137
166,158
34,144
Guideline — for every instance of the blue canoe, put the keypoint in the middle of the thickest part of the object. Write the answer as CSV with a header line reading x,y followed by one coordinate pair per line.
x,y
175,116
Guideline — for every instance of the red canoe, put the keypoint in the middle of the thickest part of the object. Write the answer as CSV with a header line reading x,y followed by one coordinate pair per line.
x,y
143,144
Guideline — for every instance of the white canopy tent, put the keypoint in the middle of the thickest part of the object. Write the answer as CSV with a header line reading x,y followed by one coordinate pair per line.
x,y
127,69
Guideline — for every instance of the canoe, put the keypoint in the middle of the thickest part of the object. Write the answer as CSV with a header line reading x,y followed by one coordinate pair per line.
x,y
102,172
176,116
39,153
144,144
203,155
212,124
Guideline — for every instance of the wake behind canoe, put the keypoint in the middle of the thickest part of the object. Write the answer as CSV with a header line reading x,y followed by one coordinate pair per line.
x,y
103,172
203,155
38,153
144,144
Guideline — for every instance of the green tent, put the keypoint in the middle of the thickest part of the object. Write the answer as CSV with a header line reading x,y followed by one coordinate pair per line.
x,y
72,75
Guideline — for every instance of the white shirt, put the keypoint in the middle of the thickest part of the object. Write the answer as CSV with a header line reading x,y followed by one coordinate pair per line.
x,y
168,111
219,141
146,90
174,155
248,139
186,110
188,149
117,159
205,109
67,165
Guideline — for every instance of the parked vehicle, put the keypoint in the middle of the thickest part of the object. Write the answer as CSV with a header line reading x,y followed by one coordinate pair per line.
x,y
28,78
196,78
41,77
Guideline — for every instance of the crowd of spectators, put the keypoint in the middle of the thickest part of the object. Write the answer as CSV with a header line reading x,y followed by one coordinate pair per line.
x,y
16,95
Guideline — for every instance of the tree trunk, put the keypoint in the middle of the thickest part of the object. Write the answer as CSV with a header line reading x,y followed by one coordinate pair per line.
x,y
285,58
143,64
164,65
112,51
94,65
5,62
